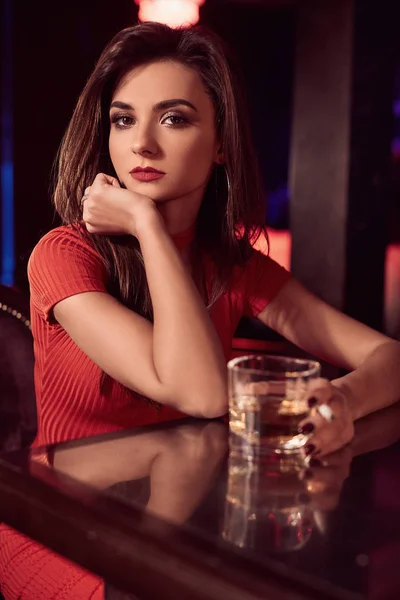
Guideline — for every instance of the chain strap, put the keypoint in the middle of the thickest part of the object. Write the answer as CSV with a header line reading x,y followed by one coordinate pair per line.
x,y
15,313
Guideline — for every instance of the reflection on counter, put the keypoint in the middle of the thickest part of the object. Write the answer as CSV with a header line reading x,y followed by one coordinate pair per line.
x,y
267,506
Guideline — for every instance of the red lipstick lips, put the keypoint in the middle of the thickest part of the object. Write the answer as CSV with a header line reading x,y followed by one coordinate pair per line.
x,y
146,174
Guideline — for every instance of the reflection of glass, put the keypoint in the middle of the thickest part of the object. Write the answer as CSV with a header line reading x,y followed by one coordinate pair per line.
x,y
267,507
267,401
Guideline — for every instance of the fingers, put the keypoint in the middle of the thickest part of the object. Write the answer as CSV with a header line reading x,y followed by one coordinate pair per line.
x,y
324,478
329,424
103,179
319,396
335,460
319,392
331,470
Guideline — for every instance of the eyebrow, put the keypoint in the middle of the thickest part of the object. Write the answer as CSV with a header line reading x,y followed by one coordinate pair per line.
x,y
164,105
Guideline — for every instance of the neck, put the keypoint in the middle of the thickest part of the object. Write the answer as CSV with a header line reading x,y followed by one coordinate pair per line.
x,y
180,214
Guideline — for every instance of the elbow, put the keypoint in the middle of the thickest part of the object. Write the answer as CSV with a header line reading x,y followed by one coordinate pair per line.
x,y
202,407
208,401
213,412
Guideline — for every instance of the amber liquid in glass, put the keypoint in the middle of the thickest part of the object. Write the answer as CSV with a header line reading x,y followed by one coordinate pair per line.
x,y
267,423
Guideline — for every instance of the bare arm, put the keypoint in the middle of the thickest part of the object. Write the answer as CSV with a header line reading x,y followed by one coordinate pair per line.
x,y
177,361
321,330
181,462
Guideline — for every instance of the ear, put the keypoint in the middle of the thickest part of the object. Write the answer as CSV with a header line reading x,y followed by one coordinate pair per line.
x,y
219,157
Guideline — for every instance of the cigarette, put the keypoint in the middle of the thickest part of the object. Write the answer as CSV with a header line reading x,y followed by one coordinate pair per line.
x,y
326,412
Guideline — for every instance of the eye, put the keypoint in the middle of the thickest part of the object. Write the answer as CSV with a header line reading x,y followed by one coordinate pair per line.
x,y
175,120
122,121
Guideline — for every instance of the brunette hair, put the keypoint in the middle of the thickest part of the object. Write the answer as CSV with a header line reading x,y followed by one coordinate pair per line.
x,y
232,214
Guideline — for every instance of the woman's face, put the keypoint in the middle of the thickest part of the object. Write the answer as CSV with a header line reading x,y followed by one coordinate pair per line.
x,y
162,118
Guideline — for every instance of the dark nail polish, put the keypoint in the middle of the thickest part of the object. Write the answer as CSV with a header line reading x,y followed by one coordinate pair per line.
x,y
309,449
312,401
308,474
315,463
307,428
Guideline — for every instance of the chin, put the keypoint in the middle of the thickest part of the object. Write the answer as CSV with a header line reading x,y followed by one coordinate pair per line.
x,y
156,195
150,189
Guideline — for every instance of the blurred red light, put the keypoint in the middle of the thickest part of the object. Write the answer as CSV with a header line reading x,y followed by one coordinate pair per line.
x,y
175,13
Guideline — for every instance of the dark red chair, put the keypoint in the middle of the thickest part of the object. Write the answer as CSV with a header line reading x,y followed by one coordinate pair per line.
x,y
18,420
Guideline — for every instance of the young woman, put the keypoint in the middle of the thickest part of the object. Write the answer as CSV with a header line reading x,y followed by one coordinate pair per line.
x,y
136,298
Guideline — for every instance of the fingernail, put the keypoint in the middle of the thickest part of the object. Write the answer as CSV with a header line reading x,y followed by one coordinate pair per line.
x,y
314,462
312,401
309,449
307,428
308,474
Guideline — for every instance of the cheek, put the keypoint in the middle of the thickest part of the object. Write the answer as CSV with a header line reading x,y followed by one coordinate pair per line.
x,y
112,146
196,159
117,160
117,148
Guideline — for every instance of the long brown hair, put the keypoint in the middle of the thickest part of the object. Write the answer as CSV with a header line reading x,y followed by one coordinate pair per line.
x,y
232,214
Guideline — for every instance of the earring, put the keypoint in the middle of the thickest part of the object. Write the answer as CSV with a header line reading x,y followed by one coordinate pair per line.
x,y
228,182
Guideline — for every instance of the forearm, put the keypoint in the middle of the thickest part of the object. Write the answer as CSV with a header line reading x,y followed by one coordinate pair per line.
x,y
377,430
376,383
187,353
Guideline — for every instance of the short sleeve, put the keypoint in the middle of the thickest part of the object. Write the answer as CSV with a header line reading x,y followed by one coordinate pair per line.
x,y
264,279
61,265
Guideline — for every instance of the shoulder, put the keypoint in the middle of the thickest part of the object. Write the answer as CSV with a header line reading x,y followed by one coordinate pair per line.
x,y
260,264
62,264
67,243
263,279
66,235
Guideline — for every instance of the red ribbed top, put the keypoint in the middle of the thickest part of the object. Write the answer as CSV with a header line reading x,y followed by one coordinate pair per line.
x,y
74,400
71,401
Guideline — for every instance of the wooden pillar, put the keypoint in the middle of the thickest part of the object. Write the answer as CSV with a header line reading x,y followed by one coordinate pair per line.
x,y
340,153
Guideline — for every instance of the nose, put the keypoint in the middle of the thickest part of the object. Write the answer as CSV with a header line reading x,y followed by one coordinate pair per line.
x,y
144,140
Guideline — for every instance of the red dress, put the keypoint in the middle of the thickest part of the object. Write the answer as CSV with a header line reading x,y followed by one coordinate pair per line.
x,y
73,401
